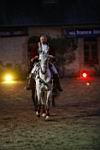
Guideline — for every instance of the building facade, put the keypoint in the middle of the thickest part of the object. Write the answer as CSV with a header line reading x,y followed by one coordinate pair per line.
x,y
87,53
14,46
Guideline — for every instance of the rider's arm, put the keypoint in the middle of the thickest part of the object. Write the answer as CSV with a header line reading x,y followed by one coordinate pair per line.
x,y
39,48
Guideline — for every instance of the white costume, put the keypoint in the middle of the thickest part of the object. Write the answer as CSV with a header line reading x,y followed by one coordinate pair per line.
x,y
45,48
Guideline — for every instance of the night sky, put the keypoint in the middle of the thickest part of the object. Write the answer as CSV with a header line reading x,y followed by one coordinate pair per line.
x,y
49,12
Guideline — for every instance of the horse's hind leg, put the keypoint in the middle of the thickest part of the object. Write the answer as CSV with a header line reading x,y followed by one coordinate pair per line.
x,y
47,117
38,110
34,98
47,112
43,110
53,101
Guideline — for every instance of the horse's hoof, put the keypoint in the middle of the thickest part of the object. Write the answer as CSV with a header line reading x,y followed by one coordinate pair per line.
x,y
43,115
37,114
47,118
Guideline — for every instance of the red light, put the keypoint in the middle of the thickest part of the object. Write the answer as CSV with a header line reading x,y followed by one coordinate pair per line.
x,y
84,75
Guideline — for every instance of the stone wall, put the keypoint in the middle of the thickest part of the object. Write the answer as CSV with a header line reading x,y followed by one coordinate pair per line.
x,y
13,50
53,32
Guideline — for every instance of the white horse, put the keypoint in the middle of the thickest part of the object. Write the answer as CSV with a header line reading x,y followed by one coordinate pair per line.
x,y
44,84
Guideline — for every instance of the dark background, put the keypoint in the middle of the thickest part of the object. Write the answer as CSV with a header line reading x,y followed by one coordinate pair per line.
x,y
49,12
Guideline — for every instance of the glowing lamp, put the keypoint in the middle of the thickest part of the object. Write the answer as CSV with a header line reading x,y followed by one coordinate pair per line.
x,y
8,77
84,75
87,83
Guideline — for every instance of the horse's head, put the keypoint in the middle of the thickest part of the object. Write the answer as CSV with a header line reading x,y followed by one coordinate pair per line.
x,y
43,62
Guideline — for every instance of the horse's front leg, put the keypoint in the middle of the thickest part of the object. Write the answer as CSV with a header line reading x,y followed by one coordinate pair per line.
x,y
38,102
49,94
43,104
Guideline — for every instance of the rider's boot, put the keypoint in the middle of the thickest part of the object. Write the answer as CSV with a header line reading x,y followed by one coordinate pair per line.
x,y
57,82
28,84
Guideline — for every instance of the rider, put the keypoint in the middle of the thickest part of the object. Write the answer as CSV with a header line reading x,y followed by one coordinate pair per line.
x,y
43,46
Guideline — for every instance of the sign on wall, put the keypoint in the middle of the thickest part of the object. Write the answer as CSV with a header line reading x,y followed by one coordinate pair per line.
x,y
82,33
13,33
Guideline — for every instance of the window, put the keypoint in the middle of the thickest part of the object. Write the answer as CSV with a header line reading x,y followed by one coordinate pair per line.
x,y
90,52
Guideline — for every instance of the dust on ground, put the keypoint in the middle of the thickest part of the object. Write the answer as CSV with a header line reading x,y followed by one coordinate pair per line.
x,y
74,123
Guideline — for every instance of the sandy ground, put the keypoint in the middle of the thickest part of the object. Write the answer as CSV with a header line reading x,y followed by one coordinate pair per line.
x,y
74,123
